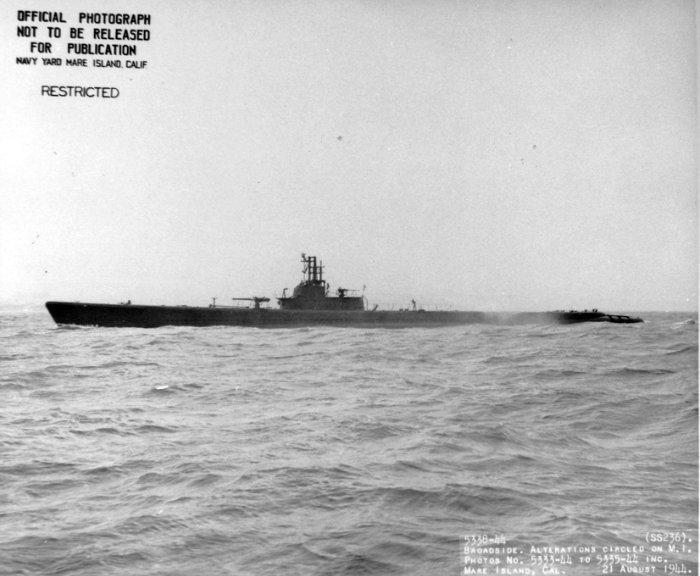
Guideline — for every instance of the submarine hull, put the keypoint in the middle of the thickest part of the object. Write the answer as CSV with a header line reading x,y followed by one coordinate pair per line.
x,y
144,316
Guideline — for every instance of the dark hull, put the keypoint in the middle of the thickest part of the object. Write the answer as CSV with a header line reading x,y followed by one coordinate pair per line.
x,y
130,315
138,316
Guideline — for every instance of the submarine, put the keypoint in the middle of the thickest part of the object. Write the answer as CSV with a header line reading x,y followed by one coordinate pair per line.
x,y
310,304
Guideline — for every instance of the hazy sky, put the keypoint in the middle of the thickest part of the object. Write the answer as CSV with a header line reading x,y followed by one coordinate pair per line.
x,y
495,155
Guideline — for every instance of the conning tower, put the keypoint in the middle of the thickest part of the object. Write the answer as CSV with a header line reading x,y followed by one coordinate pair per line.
x,y
312,292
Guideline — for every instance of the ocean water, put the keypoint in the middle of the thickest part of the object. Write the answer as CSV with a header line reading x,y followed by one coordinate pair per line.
x,y
314,451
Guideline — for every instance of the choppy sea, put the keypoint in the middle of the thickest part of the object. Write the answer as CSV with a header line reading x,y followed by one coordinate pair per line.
x,y
314,451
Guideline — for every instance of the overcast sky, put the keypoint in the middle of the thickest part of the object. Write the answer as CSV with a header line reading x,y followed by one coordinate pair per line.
x,y
520,155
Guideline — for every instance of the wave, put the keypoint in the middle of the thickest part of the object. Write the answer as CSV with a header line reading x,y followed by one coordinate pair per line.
x,y
327,451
